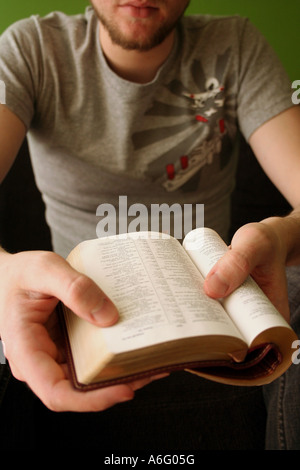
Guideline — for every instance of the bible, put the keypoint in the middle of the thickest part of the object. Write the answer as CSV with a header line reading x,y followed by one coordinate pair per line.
x,y
167,322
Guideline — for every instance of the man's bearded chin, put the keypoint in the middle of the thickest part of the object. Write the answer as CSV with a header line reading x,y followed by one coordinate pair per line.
x,y
136,44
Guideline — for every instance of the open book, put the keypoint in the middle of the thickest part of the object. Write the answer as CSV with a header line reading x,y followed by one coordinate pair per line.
x,y
167,322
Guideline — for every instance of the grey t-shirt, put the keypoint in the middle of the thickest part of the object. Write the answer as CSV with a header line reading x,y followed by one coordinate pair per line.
x,y
94,136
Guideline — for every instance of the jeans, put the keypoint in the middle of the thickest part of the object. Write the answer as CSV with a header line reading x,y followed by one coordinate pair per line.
x,y
282,397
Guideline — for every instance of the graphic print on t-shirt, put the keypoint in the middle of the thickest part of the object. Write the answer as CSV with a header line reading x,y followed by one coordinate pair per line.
x,y
197,134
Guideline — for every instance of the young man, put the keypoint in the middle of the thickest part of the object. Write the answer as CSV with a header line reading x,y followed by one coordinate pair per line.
x,y
111,100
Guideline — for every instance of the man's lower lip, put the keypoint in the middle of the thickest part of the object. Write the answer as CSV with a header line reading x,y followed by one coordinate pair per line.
x,y
138,12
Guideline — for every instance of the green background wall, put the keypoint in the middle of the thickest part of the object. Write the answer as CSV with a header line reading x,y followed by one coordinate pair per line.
x,y
278,21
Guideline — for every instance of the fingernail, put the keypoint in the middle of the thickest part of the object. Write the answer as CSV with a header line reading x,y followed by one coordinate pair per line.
x,y
216,285
105,313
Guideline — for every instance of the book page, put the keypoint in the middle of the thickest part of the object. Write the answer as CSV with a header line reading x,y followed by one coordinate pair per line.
x,y
156,288
248,306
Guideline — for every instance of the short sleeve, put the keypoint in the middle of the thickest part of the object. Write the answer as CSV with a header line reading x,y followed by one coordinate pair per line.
x,y
264,86
19,68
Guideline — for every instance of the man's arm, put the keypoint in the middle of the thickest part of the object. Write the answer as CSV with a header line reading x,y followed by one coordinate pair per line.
x,y
12,134
31,284
264,249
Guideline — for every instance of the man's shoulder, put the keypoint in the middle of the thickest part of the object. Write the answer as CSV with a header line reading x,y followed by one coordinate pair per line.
x,y
55,22
201,22
59,19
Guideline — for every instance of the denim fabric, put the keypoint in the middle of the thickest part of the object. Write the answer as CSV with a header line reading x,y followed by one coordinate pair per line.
x,y
282,397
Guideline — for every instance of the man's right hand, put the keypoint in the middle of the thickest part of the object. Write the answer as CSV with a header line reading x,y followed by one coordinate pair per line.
x,y
31,284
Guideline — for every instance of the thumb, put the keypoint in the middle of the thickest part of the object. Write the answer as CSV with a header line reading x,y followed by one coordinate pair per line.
x,y
52,275
86,299
236,264
227,274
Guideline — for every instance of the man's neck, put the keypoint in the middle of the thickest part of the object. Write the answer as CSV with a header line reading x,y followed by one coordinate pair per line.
x,y
135,66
